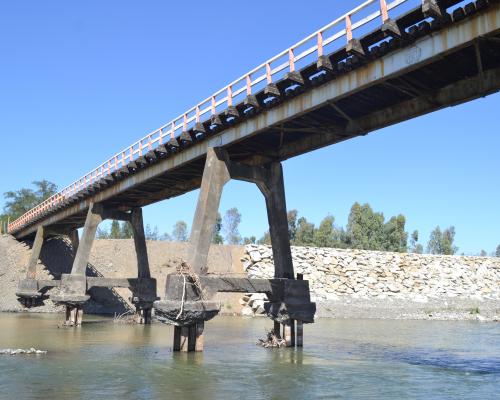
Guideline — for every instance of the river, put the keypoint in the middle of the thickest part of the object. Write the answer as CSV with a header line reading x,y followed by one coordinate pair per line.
x,y
342,359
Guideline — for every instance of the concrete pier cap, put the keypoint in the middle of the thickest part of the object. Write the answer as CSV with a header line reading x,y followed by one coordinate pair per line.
x,y
28,289
72,290
179,313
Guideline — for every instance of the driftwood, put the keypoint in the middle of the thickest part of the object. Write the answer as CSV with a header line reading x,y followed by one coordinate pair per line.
x,y
271,340
192,277
128,317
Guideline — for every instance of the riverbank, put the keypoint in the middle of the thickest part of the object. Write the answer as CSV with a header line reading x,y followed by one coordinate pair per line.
x,y
343,283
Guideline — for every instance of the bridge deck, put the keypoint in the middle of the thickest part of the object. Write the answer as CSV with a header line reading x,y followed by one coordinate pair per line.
x,y
433,65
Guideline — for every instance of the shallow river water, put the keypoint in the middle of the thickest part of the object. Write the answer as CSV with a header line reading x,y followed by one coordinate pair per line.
x,y
342,359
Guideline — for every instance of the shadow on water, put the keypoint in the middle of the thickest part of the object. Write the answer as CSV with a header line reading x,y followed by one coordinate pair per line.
x,y
437,358
447,361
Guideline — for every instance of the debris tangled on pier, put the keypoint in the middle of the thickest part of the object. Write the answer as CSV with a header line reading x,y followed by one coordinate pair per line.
x,y
128,317
272,340
14,352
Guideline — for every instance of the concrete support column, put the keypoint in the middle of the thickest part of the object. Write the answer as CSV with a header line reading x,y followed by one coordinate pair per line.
x,y
73,288
143,316
189,338
269,179
215,176
273,189
218,170
28,288
94,218
300,334
143,308
140,243
289,333
73,315
35,253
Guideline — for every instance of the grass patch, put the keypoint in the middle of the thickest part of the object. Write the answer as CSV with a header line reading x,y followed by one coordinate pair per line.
x,y
474,311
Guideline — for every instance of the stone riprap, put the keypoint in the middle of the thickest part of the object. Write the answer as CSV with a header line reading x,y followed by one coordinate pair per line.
x,y
442,285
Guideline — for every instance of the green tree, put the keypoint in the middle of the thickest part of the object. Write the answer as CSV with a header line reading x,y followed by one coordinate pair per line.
x,y
232,220
115,232
292,224
442,242
305,233
151,234
126,231
249,240
497,252
21,201
4,220
166,237
217,237
180,232
324,236
45,189
415,247
365,228
266,239
483,253
395,237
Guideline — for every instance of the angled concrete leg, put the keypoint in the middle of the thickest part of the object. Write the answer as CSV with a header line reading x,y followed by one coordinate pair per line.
x,y
35,253
186,301
215,176
273,190
269,180
27,290
145,294
94,218
73,287
196,310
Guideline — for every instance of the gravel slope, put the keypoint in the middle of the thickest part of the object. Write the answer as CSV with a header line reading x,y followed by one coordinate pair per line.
x,y
109,258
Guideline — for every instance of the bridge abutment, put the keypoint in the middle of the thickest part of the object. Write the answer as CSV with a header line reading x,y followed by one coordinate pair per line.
x,y
141,295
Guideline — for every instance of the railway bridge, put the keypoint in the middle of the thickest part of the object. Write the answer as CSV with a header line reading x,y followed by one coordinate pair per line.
x,y
382,63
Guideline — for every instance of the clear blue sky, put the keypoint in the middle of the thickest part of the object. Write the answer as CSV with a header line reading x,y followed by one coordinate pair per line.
x,y
81,80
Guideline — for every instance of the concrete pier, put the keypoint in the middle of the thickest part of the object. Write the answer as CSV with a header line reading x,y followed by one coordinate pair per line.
x,y
189,294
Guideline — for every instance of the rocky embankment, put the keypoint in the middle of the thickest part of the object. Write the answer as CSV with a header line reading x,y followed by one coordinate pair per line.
x,y
368,284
